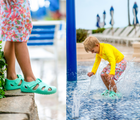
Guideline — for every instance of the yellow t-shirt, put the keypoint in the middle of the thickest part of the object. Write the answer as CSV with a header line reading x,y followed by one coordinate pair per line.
x,y
109,53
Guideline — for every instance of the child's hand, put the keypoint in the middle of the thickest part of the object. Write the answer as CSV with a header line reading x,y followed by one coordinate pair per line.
x,y
9,1
90,74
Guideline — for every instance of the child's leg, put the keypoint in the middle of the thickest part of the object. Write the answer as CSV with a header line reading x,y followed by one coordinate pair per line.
x,y
105,81
22,55
110,84
9,53
120,67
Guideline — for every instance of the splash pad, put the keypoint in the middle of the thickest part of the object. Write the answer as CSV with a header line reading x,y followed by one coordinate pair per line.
x,y
84,96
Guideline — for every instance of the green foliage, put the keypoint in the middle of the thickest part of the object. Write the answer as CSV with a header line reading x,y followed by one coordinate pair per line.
x,y
81,35
99,30
2,72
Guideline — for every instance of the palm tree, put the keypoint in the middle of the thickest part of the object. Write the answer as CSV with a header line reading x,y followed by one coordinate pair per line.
x,y
128,13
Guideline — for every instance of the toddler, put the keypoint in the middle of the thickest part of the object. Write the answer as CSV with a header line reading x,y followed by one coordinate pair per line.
x,y
112,72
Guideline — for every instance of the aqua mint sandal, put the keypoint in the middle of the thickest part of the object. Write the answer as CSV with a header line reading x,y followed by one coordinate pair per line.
x,y
105,93
13,84
29,87
113,95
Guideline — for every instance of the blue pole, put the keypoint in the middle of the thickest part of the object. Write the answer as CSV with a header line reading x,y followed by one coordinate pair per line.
x,y
71,41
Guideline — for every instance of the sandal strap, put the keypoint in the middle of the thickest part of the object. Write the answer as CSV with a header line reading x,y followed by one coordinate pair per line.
x,y
19,76
42,84
16,81
33,83
105,92
28,87
112,93
13,84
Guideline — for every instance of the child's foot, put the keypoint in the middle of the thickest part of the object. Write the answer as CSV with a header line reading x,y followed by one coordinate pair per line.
x,y
37,86
14,84
105,93
113,95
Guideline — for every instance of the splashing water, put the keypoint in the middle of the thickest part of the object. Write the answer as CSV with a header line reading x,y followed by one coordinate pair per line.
x,y
91,81
76,105
91,105
125,83
123,87
95,77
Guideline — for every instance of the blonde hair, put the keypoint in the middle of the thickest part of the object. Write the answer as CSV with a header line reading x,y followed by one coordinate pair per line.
x,y
90,42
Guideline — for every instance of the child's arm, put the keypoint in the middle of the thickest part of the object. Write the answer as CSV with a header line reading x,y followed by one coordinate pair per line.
x,y
95,66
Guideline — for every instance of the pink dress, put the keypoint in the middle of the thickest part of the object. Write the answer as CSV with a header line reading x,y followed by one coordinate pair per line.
x,y
15,21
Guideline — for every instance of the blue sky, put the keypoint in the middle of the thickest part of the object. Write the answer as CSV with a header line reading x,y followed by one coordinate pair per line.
x,y
87,10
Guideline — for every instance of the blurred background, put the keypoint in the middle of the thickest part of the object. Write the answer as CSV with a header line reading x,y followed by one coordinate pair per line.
x,y
111,21
48,9
87,10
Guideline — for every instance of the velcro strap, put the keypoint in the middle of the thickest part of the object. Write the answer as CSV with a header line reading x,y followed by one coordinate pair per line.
x,y
17,81
34,83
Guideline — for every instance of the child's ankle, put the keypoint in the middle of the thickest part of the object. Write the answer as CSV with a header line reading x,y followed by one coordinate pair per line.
x,y
29,79
12,77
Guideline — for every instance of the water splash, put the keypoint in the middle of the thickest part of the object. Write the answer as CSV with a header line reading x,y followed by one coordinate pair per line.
x,y
90,84
97,107
76,105
125,86
122,88
125,83
126,71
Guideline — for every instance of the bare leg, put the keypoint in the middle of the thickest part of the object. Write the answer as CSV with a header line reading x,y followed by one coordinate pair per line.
x,y
21,51
9,54
110,84
22,55
105,82
113,85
